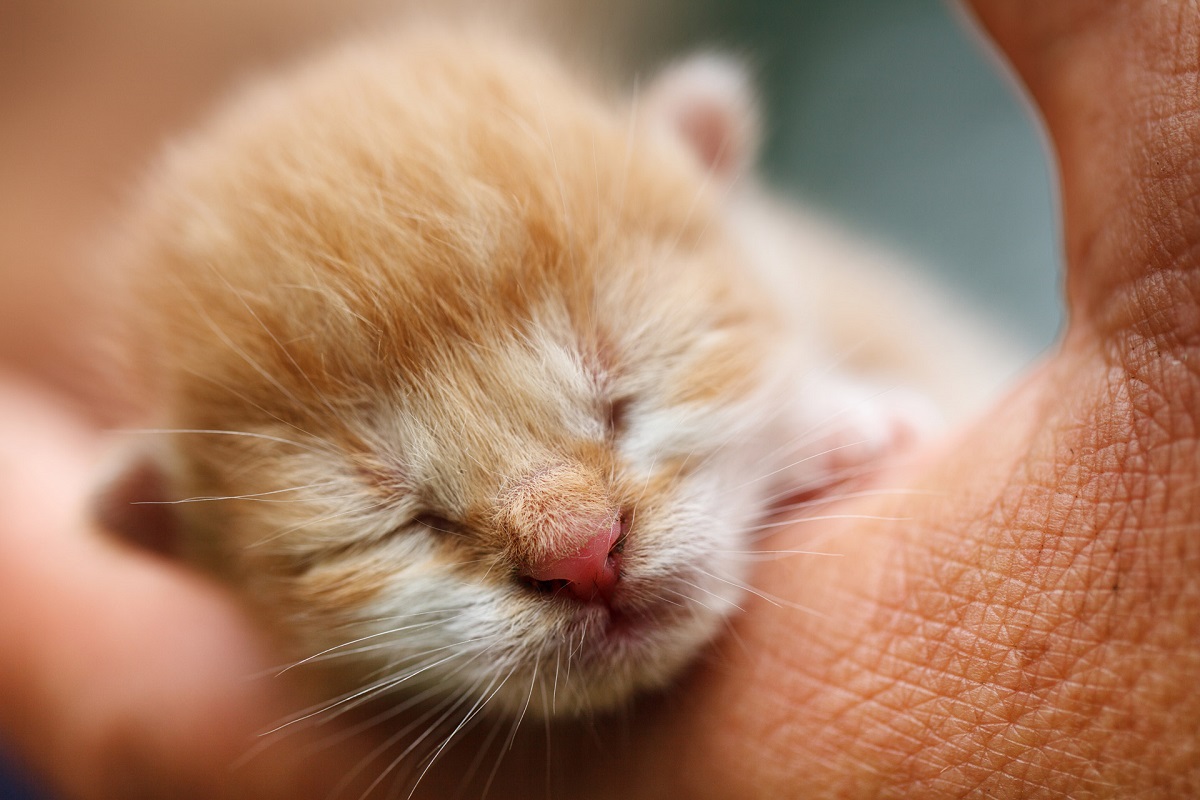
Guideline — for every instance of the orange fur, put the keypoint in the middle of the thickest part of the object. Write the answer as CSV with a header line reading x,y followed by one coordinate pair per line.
x,y
370,263
430,310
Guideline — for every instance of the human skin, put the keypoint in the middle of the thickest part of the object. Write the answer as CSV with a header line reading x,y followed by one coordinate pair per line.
x,y
1026,625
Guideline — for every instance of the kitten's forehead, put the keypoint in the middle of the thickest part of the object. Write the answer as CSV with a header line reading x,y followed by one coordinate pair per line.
x,y
441,224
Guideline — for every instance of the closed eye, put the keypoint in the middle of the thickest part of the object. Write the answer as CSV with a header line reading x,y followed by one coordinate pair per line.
x,y
438,523
616,418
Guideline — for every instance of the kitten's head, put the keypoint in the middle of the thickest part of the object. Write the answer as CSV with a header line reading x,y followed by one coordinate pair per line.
x,y
472,346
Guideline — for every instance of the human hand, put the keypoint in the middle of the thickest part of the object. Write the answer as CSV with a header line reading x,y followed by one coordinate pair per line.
x,y
121,674
1031,628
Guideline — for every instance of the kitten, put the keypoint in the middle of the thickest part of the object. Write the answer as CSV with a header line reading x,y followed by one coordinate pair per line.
x,y
475,379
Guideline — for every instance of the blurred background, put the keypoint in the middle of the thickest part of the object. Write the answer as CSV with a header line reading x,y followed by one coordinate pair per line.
x,y
894,117
884,114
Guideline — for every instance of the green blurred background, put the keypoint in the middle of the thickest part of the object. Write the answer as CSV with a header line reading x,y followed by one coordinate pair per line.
x,y
892,116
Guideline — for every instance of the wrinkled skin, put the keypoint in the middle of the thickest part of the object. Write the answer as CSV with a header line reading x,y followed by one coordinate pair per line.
x,y
1031,628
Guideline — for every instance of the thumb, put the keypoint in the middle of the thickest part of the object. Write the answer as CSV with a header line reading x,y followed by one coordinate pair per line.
x,y
1115,83
120,675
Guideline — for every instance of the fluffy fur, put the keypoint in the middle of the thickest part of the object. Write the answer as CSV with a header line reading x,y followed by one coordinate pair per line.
x,y
413,306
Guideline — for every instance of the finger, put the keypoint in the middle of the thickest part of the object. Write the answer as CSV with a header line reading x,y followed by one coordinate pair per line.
x,y
1116,85
1028,626
121,676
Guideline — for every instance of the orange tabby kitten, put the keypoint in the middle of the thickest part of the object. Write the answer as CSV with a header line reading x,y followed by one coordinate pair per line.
x,y
484,377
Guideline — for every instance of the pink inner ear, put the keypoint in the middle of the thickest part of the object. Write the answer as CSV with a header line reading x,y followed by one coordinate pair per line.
x,y
713,135
133,506
709,103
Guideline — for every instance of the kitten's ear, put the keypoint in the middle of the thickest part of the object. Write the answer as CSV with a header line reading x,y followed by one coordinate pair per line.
x,y
130,502
709,102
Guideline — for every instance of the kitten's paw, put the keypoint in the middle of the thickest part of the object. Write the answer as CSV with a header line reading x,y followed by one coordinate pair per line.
x,y
911,417
872,424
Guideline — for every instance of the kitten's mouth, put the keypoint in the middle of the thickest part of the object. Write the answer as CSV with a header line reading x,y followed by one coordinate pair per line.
x,y
624,626
620,623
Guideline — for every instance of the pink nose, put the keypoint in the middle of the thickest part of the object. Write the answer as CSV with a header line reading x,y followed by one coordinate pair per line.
x,y
588,574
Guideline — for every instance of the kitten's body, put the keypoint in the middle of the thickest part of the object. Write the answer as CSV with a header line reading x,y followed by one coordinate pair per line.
x,y
445,319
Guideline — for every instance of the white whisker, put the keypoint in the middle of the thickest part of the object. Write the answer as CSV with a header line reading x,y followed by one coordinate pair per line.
x,y
318,520
473,712
264,436
708,592
824,518
379,686
795,463
764,555
257,496
352,642
774,600
383,747
837,497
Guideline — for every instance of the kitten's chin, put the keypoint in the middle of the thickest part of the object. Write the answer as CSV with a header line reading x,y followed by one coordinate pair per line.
x,y
616,654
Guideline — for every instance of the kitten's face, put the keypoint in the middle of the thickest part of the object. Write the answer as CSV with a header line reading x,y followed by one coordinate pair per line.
x,y
480,329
